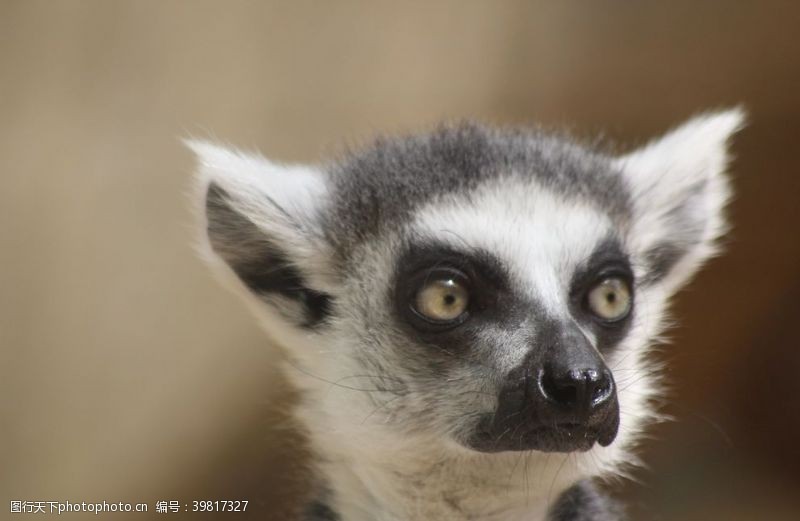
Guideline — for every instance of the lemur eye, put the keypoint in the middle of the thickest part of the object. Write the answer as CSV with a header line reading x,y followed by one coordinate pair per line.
x,y
442,300
610,299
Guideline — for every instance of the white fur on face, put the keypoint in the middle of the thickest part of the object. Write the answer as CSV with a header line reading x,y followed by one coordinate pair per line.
x,y
539,236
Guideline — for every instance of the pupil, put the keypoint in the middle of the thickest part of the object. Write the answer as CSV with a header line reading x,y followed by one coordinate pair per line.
x,y
449,300
611,297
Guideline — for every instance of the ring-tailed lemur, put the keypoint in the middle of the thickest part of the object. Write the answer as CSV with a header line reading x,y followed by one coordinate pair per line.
x,y
466,312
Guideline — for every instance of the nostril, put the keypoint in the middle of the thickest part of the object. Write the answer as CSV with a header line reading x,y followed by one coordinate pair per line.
x,y
563,391
603,388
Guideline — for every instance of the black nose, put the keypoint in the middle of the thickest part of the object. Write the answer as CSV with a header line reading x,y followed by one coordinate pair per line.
x,y
577,392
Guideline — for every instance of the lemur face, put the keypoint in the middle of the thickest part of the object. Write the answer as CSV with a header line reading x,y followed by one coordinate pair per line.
x,y
487,290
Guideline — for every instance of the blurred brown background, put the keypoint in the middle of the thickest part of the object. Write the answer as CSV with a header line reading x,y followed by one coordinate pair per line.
x,y
127,373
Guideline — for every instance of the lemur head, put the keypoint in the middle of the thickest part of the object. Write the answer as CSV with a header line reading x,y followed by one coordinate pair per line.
x,y
484,290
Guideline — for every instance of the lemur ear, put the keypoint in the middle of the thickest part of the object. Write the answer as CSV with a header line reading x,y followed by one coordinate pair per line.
x,y
679,190
263,221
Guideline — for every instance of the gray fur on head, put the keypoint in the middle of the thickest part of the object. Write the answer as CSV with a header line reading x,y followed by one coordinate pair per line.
x,y
414,417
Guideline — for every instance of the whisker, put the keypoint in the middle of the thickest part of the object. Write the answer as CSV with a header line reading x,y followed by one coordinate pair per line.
x,y
334,383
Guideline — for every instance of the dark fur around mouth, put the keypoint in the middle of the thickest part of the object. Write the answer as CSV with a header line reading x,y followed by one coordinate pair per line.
x,y
568,437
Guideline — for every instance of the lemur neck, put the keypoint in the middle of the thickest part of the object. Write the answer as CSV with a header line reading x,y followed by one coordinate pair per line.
x,y
415,482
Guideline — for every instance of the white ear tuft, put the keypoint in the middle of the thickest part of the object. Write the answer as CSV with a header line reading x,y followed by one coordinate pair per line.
x,y
679,189
694,150
261,189
264,220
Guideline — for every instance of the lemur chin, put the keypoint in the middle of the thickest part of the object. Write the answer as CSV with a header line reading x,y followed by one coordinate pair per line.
x,y
467,313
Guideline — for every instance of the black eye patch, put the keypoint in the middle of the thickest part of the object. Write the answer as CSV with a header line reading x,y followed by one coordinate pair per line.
x,y
607,261
490,295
